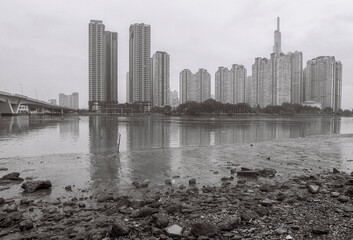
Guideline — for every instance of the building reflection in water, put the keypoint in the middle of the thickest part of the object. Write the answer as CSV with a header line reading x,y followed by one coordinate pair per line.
x,y
148,148
70,128
147,142
105,168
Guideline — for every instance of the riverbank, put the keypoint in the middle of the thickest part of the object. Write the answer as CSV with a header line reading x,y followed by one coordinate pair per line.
x,y
220,204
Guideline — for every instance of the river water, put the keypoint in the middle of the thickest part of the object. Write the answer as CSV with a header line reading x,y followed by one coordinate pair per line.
x,y
83,150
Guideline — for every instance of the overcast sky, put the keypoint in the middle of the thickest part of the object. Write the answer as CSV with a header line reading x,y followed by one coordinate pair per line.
x,y
44,44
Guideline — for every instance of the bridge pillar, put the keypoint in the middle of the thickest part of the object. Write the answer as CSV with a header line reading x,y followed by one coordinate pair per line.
x,y
8,108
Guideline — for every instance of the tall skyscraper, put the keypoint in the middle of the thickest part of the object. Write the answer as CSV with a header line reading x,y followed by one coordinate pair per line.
x,y
110,64
223,85
185,80
323,82
140,63
202,81
160,79
277,45
96,63
70,101
238,81
195,87
279,79
103,65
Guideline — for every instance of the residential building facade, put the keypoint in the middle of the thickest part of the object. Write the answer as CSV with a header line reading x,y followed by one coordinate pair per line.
x,y
160,79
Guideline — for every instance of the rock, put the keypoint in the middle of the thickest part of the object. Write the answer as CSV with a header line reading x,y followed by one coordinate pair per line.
x,y
289,237
174,207
264,188
203,229
192,181
266,202
335,194
144,212
247,215
26,225
320,229
267,172
168,181
233,171
281,196
343,199
2,201
281,231
25,201
32,186
14,176
145,183
160,220
9,219
174,231
119,229
3,169
123,202
349,191
250,174
137,203
313,188
68,188
335,171
136,184
105,198
349,181
229,224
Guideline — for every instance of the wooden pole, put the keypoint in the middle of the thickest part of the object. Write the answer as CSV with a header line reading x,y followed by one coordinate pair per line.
x,y
118,141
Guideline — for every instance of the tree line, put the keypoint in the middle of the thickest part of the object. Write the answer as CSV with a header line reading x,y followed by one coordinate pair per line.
x,y
211,106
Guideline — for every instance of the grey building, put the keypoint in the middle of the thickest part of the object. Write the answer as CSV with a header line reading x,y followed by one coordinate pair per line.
x,y
110,65
103,65
239,84
323,82
185,85
96,62
70,101
140,63
223,85
202,80
160,79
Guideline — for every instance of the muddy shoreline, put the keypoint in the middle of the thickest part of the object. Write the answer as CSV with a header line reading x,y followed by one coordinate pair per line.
x,y
306,198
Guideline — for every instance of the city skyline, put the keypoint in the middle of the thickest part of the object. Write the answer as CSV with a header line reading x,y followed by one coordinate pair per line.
x,y
191,44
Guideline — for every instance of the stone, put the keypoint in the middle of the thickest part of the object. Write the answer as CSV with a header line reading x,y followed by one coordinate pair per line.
x,y
233,171
174,231
314,189
9,219
145,183
250,174
2,201
33,186
14,176
25,201
68,188
281,231
123,202
266,202
320,229
247,215
264,188
144,212
289,237
3,169
192,181
119,229
137,203
335,194
349,191
229,224
203,229
173,207
168,181
349,181
267,172
343,199
26,225
160,220
335,171
105,198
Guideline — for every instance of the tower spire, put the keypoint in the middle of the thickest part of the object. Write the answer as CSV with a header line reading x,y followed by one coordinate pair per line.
x,y
277,43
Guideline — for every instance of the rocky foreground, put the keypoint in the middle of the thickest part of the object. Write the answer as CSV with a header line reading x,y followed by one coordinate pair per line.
x,y
247,204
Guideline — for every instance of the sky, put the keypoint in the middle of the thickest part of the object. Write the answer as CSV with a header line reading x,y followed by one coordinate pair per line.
x,y
44,44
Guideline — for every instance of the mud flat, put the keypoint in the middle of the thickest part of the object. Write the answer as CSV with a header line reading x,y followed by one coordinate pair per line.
x,y
280,189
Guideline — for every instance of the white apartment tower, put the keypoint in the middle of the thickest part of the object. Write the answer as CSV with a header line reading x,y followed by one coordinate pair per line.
x,y
140,63
202,82
160,79
223,85
185,85
323,82
96,62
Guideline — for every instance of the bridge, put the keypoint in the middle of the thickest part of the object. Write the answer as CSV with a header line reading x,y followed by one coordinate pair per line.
x,y
10,104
